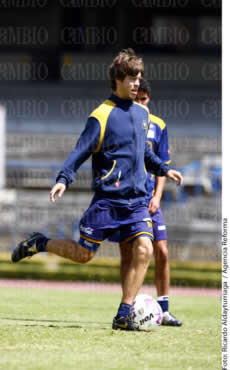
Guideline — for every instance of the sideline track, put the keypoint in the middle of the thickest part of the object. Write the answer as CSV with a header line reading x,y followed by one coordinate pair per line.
x,y
103,287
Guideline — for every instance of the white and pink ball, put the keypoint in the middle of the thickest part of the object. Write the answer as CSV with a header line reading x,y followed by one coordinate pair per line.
x,y
146,313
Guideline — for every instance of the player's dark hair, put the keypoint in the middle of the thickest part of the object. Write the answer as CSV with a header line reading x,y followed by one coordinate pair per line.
x,y
125,64
145,87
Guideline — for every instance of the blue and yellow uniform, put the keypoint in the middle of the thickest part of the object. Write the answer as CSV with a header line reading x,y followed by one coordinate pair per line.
x,y
115,135
158,140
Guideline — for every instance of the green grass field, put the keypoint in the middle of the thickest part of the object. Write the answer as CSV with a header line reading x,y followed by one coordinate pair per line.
x,y
47,329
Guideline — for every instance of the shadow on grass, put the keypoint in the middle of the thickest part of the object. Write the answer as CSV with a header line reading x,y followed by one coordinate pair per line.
x,y
76,324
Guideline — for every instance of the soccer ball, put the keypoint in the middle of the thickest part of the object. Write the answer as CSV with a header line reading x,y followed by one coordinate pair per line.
x,y
146,313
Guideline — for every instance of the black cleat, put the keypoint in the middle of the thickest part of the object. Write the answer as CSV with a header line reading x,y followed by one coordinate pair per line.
x,y
123,323
27,248
170,320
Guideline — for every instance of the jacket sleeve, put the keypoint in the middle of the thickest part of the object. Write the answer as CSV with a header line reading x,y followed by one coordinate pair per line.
x,y
163,147
85,146
153,163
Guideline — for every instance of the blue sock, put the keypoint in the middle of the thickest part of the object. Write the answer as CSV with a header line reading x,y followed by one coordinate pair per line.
x,y
41,243
163,302
123,310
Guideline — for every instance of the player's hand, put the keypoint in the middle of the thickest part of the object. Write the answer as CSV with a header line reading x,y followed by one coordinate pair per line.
x,y
59,189
154,204
175,176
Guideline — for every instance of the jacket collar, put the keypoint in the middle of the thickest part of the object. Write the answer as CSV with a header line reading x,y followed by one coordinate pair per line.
x,y
120,101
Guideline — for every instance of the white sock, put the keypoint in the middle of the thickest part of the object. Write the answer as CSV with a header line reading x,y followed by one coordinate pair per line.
x,y
164,302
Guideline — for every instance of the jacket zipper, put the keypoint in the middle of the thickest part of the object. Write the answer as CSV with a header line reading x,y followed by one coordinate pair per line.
x,y
135,143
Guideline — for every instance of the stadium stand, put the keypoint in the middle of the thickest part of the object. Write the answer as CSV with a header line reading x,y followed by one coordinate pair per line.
x,y
192,213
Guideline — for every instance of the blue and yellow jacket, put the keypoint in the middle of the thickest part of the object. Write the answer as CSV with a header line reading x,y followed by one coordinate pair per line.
x,y
115,135
158,140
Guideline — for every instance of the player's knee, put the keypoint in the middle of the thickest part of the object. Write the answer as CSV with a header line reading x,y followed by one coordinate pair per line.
x,y
143,249
161,251
86,256
80,254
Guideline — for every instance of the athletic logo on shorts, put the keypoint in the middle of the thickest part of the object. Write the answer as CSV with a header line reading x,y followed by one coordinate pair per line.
x,y
150,224
86,230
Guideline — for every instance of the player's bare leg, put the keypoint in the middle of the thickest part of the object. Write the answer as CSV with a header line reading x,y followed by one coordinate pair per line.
x,y
162,281
132,277
141,253
70,249
162,275
38,242
126,251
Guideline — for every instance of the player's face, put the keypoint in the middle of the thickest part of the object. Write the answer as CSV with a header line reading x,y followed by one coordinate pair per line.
x,y
142,97
128,88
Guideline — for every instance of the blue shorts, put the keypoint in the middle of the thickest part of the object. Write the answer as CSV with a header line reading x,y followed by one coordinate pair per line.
x,y
104,217
159,228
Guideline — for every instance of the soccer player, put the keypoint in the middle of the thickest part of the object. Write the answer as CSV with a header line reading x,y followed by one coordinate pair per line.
x,y
115,136
158,140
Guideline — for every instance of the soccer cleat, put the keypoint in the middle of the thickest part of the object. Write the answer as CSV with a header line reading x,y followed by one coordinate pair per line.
x,y
170,320
26,248
123,323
